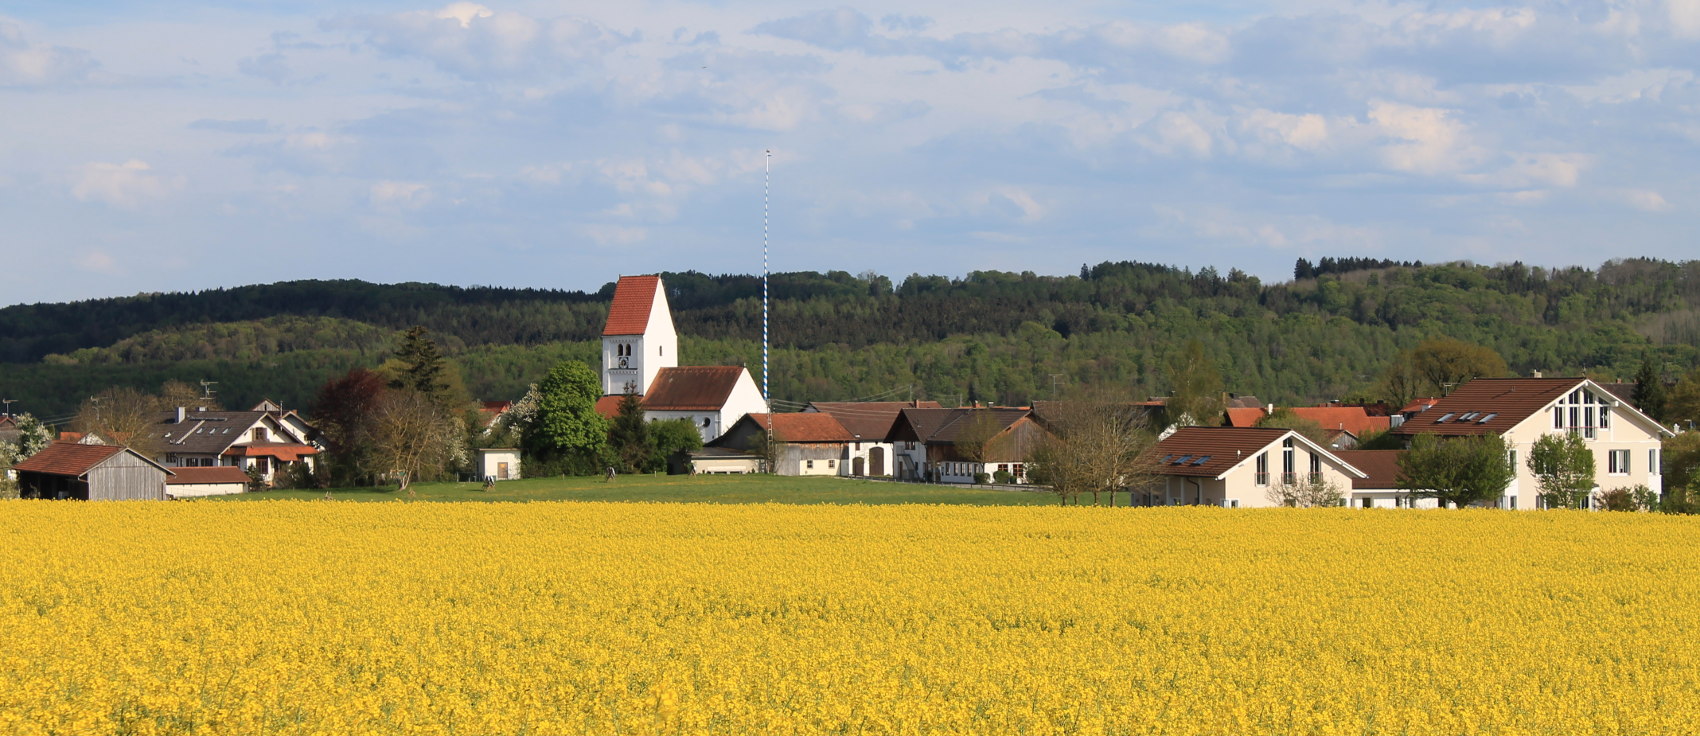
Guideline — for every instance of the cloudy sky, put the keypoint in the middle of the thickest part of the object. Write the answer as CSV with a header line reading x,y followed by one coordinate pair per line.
x,y
166,145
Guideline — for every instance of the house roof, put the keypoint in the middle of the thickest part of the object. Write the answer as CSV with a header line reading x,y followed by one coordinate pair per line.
x,y
1353,419
1382,467
870,420
802,427
692,388
1417,406
1498,405
203,432
634,299
946,426
204,476
1245,416
1219,448
1243,402
71,459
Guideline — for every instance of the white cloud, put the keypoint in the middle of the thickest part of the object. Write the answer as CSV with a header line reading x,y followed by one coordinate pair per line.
x,y
24,63
476,42
406,195
1645,200
98,262
131,185
1684,17
1421,140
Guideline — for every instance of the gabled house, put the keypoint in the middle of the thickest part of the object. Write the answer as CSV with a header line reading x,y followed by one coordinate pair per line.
x,y
710,397
263,440
801,443
960,445
66,470
1238,466
1625,441
1343,425
870,452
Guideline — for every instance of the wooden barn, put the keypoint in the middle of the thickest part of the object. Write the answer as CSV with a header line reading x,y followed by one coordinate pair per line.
x,y
65,470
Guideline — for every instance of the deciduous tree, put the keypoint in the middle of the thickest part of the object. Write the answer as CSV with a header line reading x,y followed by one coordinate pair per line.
x,y
565,428
672,438
1461,471
1443,363
122,416
344,412
1093,445
414,438
1195,387
1564,468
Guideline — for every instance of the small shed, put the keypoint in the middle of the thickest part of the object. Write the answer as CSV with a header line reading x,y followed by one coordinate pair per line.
x,y
91,473
724,460
220,480
500,463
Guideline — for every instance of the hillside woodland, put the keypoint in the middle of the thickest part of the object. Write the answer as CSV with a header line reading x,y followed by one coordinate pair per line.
x,y
1330,333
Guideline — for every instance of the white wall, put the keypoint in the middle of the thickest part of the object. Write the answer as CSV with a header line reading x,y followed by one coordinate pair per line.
x,y
487,462
197,490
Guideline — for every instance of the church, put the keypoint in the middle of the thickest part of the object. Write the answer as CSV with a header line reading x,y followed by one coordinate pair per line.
x,y
640,355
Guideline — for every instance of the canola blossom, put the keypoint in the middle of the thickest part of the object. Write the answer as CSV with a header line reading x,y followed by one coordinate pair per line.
x,y
300,617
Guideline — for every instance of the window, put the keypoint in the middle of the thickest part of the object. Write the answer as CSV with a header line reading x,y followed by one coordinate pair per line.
x,y
1652,462
810,464
1368,504
1315,467
1605,417
1232,503
1513,503
1289,469
832,463
1617,462
259,434
1511,460
1557,418
1262,469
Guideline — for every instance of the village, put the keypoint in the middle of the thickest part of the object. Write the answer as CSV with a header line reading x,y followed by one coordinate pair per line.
x,y
1236,459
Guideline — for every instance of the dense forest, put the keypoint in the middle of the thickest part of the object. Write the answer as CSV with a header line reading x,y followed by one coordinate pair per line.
x,y
989,336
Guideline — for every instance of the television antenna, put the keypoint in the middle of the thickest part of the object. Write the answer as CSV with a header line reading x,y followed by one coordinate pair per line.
x,y
8,403
207,390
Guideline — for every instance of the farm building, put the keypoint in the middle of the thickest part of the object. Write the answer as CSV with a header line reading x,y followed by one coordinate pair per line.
x,y
67,470
220,480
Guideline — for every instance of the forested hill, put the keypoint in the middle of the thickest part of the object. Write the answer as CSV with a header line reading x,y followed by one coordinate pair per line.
x,y
990,335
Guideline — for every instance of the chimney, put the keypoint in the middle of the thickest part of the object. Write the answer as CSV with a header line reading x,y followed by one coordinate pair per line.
x,y
1269,409
181,411
1534,374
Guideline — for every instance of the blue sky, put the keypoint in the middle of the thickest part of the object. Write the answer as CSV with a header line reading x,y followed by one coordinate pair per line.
x,y
168,146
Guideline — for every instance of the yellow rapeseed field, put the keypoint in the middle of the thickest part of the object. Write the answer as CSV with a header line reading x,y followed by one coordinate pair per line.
x,y
563,618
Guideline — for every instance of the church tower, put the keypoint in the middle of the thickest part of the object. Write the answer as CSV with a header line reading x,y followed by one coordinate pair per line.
x,y
639,339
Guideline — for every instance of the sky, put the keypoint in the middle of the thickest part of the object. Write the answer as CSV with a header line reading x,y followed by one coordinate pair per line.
x,y
174,146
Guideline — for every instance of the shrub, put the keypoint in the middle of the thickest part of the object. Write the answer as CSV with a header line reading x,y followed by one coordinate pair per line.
x,y
1638,498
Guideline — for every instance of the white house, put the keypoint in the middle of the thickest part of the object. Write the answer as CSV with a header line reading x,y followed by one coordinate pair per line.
x,y
221,480
1237,467
266,440
1625,441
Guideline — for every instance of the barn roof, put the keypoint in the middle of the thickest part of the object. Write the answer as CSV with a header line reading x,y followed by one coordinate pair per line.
x,y
870,420
1382,467
802,427
692,388
72,460
204,476
634,299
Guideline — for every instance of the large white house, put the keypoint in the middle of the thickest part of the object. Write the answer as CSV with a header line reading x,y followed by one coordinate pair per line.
x,y
640,355
1237,467
1625,441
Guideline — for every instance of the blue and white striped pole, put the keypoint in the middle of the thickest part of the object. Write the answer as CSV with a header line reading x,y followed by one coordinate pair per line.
x,y
766,175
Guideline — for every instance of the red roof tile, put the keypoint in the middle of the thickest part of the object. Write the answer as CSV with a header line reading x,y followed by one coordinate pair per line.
x,y
201,476
1221,447
1418,405
609,406
1349,418
802,427
67,458
1382,467
1245,417
692,388
285,451
634,299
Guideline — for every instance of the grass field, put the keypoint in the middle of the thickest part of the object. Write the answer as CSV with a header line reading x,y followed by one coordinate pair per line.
x,y
308,617
682,489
